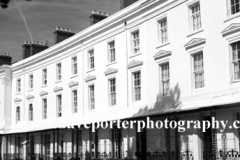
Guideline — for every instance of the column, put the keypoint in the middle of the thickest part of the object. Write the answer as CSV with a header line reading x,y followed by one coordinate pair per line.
x,y
214,137
72,131
177,138
54,144
27,148
7,147
41,152
90,143
18,146
77,141
58,143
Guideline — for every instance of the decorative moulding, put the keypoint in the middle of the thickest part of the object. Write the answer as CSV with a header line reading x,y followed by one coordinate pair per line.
x,y
134,63
161,54
42,93
30,96
110,71
194,42
234,27
57,88
73,83
17,99
90,78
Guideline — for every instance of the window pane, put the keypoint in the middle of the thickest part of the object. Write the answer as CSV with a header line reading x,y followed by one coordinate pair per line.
x,y
198,70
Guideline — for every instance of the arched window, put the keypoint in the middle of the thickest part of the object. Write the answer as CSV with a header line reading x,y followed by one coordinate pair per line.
x,y
18,114
30,112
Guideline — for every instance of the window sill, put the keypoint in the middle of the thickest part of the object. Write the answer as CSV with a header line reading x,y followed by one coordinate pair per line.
x,y
58,81
232,17
111,63
90,70
73,76
236,81
162,44
30,90
43,86
18,93
197,91
194,32
136,103
134,55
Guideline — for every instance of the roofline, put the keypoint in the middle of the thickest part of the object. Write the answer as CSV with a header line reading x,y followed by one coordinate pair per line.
x,y
79,37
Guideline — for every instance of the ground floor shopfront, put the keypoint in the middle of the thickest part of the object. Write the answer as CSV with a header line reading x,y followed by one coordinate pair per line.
x,y
119,143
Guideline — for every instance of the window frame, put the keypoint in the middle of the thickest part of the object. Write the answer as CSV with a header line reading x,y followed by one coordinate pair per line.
x,y
31,81
18,114
135,87
162,79
110,92
44,77
74,107
110,49
44,108
18,85
74,65
232,61
59,106
91,59
229,8
133,42
92,100
30,112
191,20
59,73
194,72
160,28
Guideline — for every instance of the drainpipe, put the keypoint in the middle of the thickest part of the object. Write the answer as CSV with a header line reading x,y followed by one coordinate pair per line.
x,y
82,75
23,94
125,28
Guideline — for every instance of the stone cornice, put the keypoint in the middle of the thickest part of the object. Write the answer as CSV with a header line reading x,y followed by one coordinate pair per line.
x,y
30,96
195,42
110,71
161,54
232,28
17,99
73,83
43,93
90,78
134,63
57,89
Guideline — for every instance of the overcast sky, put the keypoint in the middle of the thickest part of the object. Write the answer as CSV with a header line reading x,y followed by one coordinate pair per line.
x,y
42,17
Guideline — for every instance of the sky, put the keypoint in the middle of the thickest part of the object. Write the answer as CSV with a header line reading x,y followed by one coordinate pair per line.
x,y
42,18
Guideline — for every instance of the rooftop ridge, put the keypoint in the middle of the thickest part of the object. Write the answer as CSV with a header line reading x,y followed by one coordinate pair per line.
x,y
64,29
96,12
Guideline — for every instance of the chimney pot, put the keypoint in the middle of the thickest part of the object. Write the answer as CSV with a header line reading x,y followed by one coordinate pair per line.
x,y
126,3
97,16
62,34
5,58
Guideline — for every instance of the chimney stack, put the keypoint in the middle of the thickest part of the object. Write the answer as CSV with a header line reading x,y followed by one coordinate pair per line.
x,y
34,47
125,3
5,58
62,33
98,16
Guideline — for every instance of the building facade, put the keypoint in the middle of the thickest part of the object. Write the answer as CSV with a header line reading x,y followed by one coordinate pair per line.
x,y
174,59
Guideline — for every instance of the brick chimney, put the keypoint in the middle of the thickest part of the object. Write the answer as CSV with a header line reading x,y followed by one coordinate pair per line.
x,y
125,3
61,34
98,16
34,47
5,58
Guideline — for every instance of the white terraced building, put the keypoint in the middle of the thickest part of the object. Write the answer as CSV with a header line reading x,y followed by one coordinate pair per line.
x,y
175,59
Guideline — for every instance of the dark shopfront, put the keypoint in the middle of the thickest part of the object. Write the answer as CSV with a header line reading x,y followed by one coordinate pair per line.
x,y
22,146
